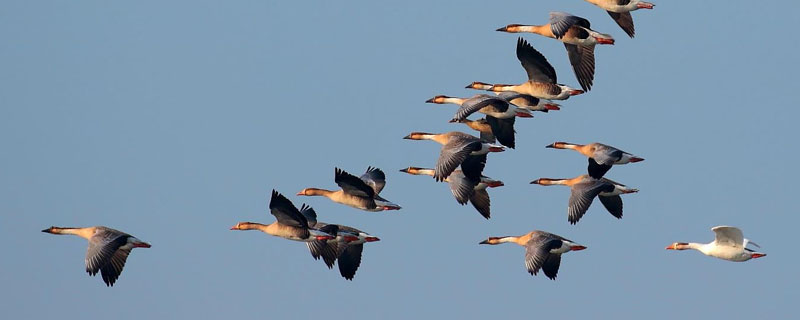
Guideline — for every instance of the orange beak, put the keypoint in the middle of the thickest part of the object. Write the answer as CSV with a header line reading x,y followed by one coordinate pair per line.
x,y
575,92
372,239
758,255
577,248
670,247
636,159
390,208
236,227
141,245
551,106
496,149
524,115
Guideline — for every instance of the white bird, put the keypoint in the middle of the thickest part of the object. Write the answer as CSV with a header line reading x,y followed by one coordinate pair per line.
x,y
729,244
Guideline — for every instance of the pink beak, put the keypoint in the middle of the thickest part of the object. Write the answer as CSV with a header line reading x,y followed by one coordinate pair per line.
x,y
141,245
645,5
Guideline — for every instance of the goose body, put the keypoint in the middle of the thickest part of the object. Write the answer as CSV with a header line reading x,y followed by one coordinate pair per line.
x,y
578,38
542,79
584,189
357,192
465,189
729,244
290,224
522,101
620,11
500,115
543,250
347,247
108,249
458,149
601,156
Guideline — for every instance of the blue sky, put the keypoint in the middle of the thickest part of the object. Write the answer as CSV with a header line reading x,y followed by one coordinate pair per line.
x,y
173,121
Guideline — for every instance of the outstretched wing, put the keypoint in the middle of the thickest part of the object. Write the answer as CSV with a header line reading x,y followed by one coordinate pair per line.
x,y
285,212
728,236
583,193
453,154
613,204
582,60
503,130
113,269
374,178
477,103
625,21
352,184
350,260
560,22
535,64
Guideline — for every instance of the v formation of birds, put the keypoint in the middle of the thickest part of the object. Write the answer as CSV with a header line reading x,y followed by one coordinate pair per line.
x,y
460,164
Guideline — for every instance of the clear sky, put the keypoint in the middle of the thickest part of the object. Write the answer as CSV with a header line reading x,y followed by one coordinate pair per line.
x,y
173,120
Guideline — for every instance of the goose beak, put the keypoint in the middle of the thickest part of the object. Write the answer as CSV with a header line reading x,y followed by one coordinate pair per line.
x,y
576,92
577,248
371,239
404,170
484,242
503,29
670,247
551,106
495,184
759,255
552,145
645,5
430,100
496,149
141,245
636,159
537,181
604,41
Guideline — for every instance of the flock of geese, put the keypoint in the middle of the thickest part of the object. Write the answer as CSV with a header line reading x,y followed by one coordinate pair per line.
x,y
460,164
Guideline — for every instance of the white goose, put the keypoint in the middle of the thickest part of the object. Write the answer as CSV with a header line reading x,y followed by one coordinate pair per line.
x,y
729,244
